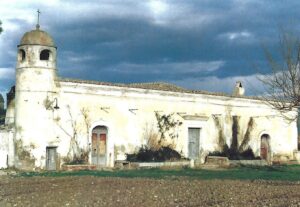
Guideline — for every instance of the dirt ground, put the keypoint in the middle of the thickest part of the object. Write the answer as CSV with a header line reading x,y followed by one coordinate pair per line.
x,y
99,191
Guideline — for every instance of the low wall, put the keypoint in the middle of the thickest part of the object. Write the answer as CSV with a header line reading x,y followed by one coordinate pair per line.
x,y
78,167
6,148
160,164
216,160
225,162
248,162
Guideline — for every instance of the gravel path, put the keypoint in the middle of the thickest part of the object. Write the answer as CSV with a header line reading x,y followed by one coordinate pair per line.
x,y
98,191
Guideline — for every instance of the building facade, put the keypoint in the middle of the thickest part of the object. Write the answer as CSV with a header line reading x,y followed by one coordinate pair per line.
x,y
51,121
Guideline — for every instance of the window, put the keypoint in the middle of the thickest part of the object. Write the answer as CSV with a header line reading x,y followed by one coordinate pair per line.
x,y
21,55
45,55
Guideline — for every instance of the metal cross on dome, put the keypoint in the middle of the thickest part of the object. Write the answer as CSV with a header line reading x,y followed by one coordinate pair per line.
x,y
38,19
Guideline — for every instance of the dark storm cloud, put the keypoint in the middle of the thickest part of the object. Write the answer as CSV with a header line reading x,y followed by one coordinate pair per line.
x,y
183,42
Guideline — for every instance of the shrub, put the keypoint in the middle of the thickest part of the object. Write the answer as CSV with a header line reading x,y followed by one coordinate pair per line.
x,y
83,158
233,154
146,154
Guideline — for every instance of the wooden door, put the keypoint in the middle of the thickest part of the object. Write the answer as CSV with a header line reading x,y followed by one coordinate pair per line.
x,y
99,148
264,149
102,145
94,149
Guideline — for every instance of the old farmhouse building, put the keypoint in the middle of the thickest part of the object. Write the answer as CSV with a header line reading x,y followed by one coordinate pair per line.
x,y
50,120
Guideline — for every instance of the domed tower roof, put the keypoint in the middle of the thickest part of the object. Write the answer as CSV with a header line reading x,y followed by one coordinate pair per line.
x,y
37,37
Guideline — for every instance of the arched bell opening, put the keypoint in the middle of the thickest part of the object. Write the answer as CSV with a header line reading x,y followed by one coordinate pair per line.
x,y
21,55
45,55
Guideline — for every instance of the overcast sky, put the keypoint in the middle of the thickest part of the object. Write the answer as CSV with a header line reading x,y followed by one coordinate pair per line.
x,y
200,44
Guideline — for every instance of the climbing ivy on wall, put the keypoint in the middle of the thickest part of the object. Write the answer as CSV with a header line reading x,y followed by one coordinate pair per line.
x,y
235,133
235,150
221,136
158,148
48,104
166,125
87,122
246,139
76,154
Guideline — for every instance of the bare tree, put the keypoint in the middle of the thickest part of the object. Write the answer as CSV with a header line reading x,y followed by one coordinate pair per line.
x,y
87,121
2,110
76,154
1,29
282,84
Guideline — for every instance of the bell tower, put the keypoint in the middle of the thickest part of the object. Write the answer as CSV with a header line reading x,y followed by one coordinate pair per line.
x,y
35,92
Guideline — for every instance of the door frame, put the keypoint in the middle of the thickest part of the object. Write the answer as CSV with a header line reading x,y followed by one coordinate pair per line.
x,y
267,137
98,143
109,142
199,138
201,123
48,148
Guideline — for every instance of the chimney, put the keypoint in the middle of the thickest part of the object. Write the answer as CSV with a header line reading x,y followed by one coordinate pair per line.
x,y
238,89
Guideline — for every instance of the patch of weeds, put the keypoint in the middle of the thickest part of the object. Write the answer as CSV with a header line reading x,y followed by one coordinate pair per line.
x,y
82,158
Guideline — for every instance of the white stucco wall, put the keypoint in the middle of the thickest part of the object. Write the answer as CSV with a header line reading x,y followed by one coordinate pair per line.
x,y
110,106
6,148
127,112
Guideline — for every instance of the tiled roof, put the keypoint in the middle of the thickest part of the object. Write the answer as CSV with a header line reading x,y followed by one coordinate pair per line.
x,y
159,86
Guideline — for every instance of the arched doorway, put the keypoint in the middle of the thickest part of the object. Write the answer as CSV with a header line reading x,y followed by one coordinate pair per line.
x,y
265,150
99,143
